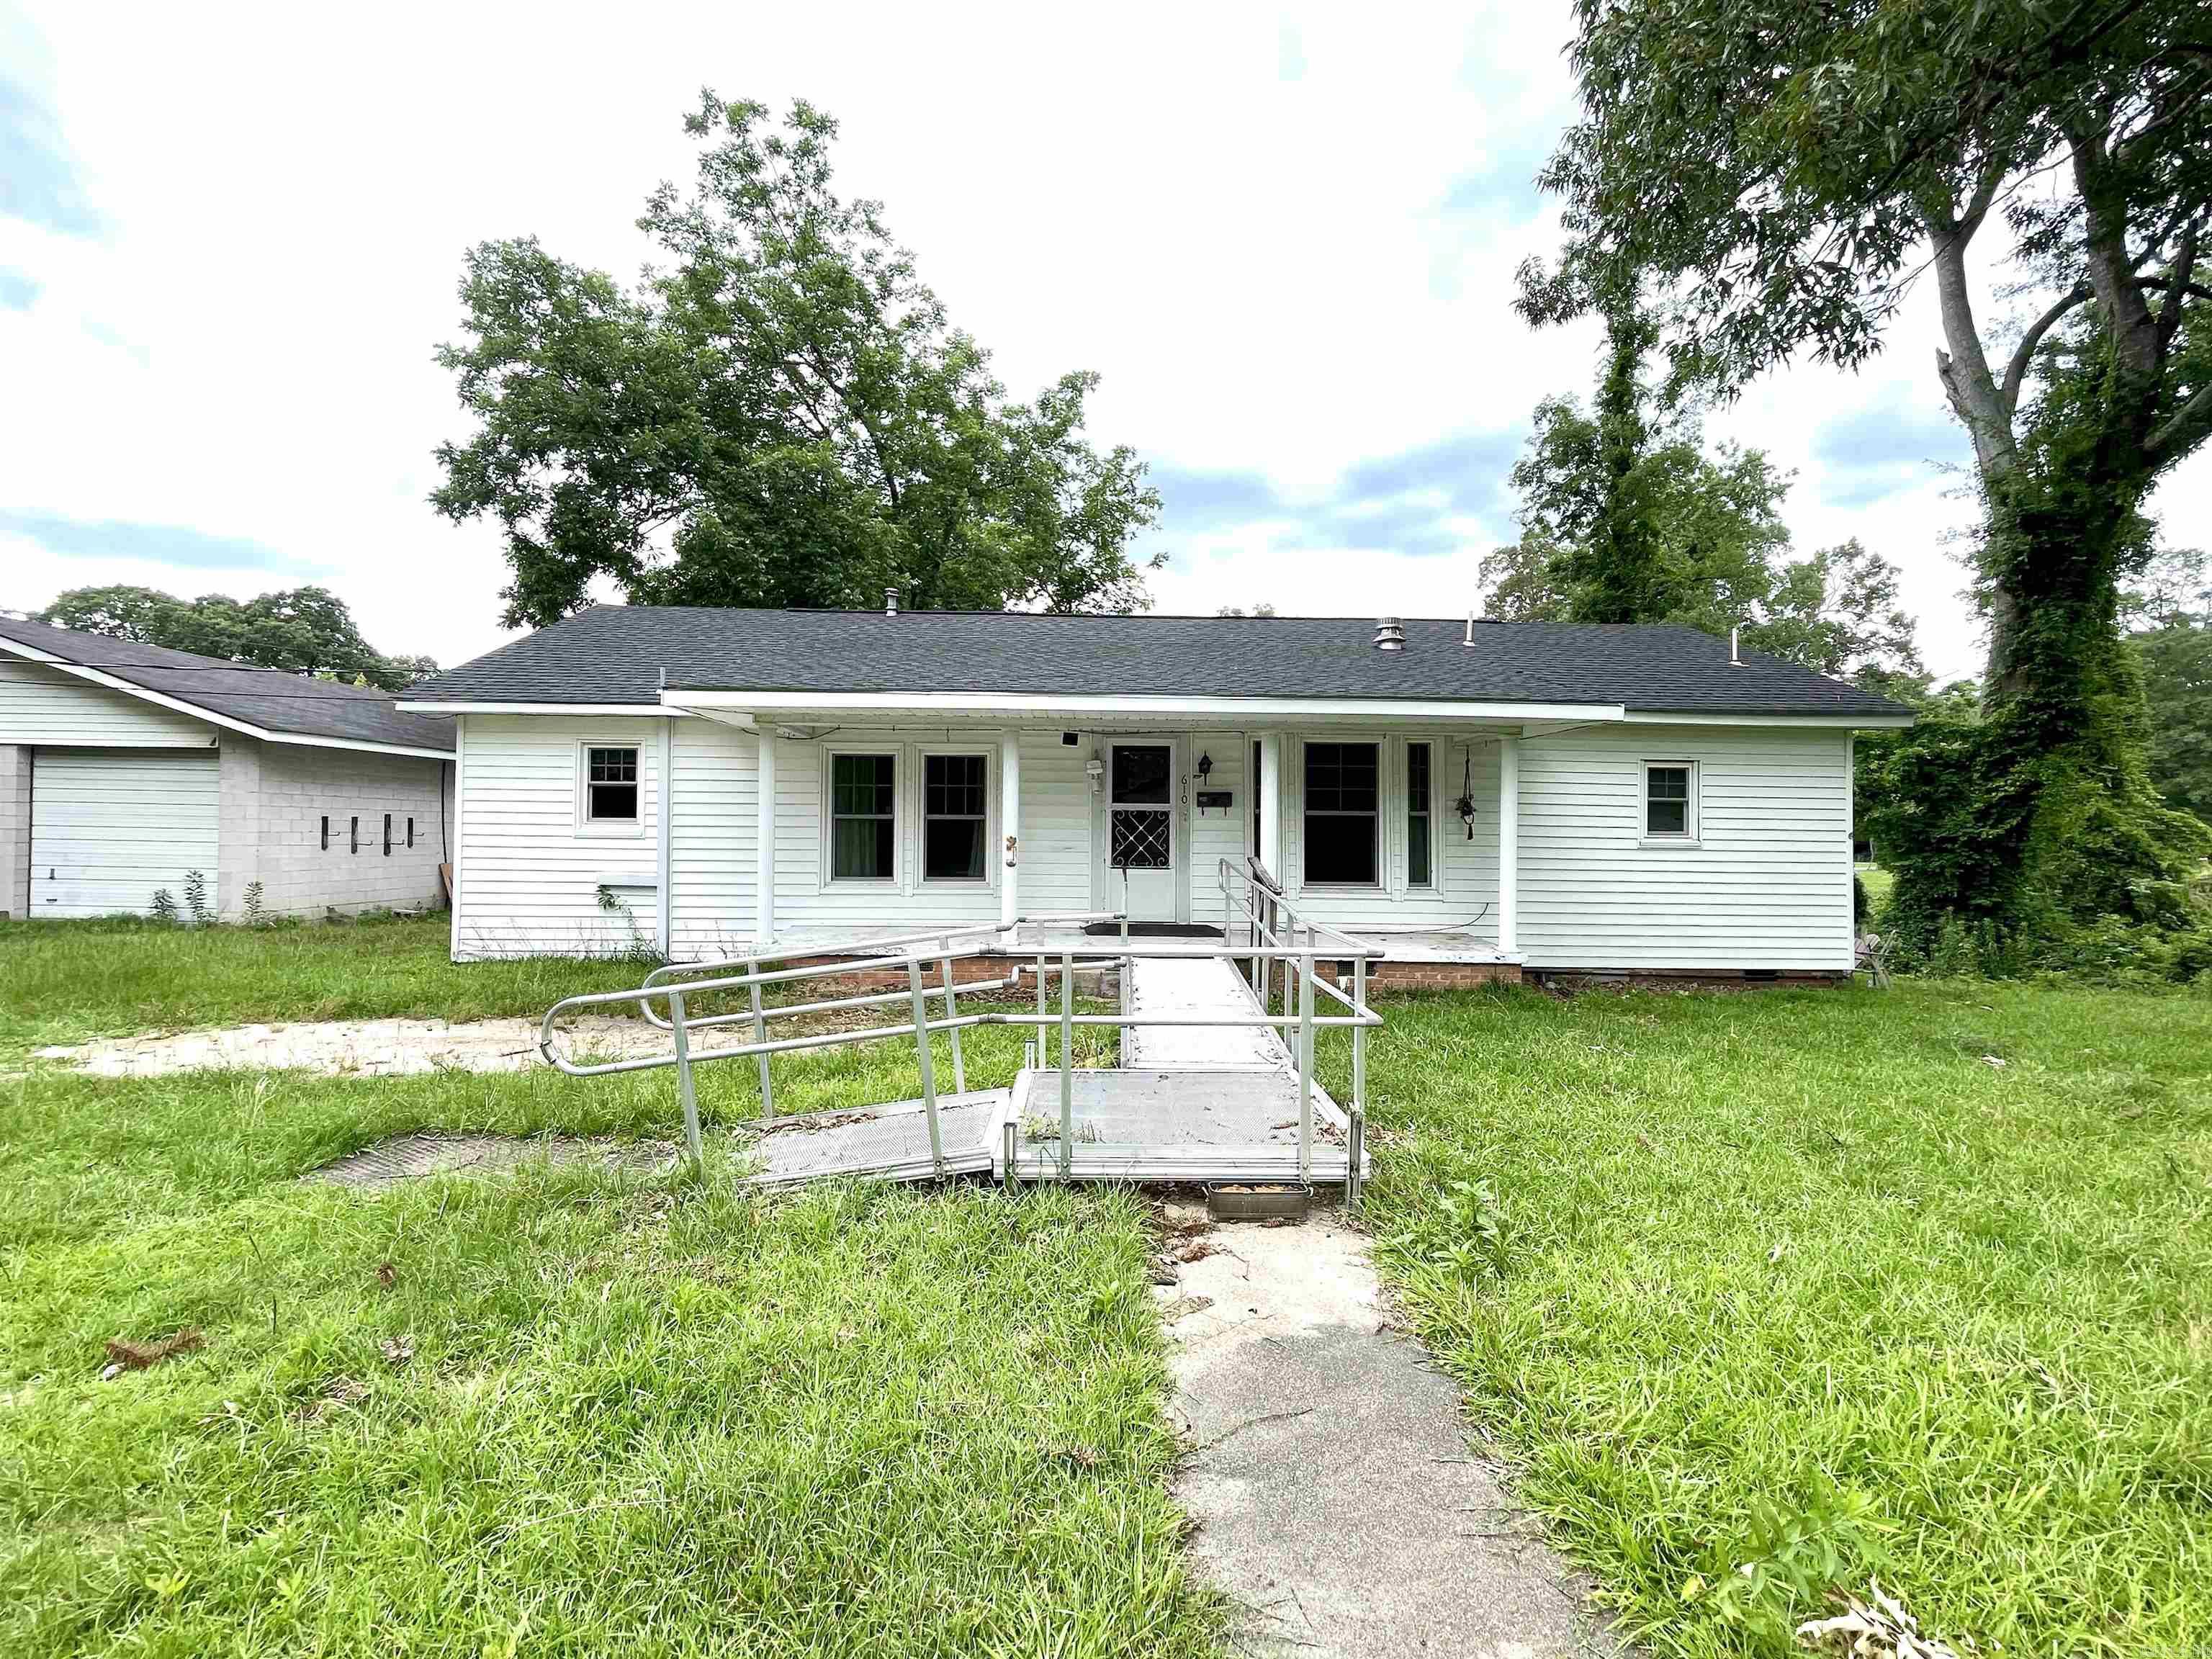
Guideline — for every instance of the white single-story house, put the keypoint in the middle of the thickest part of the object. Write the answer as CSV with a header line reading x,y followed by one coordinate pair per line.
x,y
126,769
1482,798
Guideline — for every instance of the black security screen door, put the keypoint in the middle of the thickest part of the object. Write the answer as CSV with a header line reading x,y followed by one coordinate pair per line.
x,y
1141,833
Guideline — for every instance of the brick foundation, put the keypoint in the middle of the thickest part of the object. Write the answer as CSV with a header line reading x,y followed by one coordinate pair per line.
x,y
1387,975
1570,980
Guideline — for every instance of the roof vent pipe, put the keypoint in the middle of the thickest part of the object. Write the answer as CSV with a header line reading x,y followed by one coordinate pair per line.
x,y
891,602
1389,634
1735,658
1469,640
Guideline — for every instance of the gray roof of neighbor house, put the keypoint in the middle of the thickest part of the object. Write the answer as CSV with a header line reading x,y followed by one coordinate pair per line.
x,y
617,654
268,698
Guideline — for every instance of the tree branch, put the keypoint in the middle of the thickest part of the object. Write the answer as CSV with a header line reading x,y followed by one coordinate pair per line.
x,y
2024,353
1965,369
2181,429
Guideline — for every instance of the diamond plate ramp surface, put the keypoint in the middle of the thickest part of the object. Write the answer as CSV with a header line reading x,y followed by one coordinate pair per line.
x,y
891,1142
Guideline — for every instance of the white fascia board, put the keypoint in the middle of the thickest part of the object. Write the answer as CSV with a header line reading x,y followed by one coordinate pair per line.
x,y
644,711
228,722
1829,722
1003,704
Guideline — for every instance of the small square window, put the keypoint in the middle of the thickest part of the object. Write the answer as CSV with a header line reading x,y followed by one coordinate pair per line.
x,y
1668,813
610,785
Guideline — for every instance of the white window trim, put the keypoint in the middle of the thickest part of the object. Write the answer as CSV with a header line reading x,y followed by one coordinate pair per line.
x,y
618,829
1693,816
1385,789
988,881
901,816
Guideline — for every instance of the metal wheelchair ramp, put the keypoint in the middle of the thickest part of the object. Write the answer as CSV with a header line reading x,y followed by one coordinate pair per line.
x,y
1216,1080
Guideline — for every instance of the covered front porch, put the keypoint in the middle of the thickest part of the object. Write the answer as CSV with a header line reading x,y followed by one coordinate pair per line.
x,y
1400,828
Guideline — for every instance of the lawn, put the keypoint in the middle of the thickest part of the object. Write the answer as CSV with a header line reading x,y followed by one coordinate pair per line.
x,y
1914,1284
571,1412
61,981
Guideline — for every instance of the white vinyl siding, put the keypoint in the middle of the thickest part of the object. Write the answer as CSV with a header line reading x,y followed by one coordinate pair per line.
x,y
110,827
530,872
1765,885
43,705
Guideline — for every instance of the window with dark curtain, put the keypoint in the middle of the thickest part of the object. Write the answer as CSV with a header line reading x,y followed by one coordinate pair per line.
x,y
862,789
387,835
1342,813
953,820
410,832
354,831
610,785
1420,841
326,832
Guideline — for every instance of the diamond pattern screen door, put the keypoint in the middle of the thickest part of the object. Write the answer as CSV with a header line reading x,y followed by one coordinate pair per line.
x,y
1140,861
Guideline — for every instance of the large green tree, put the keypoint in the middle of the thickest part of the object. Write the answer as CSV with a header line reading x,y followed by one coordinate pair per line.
x,y
302,630
779,413
1775,175
1625,517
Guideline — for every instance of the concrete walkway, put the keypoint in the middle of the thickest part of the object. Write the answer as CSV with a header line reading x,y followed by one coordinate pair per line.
x,y
1335,1495
372,1048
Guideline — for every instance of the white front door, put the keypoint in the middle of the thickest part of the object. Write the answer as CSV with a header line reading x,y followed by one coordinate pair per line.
x,y
1141,855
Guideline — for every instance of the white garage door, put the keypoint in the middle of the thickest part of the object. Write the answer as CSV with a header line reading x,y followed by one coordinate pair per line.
x,y
109,826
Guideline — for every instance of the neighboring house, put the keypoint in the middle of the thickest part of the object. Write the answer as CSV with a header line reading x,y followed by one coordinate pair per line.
x,y
1635,801
126,768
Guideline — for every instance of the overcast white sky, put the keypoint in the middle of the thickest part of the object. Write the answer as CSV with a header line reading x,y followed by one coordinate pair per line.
x,y
229,239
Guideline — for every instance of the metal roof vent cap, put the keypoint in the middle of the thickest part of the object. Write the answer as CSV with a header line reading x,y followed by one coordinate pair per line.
x,y
1389,634
891,602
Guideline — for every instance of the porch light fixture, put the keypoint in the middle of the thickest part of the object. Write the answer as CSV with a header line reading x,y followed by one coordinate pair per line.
x,y
1204,766
1095,769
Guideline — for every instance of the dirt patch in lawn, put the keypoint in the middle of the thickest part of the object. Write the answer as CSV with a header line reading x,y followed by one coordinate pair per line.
x,y
375,1048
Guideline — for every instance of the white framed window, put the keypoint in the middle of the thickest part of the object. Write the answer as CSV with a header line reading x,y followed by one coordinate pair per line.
x,y
1670,803
956,815
1420,814
609,789
860,815
1342,822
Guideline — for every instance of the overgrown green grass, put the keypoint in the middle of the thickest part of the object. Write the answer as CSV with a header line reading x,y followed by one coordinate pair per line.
x,y
61,982
1804,1282
619,1415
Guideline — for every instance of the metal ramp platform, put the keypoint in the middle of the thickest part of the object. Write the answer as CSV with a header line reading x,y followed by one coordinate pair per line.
x,y
1216,1082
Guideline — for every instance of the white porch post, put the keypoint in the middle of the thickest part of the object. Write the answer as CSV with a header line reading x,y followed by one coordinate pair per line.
x,y
764,846
1270,802
1508,845
1010,825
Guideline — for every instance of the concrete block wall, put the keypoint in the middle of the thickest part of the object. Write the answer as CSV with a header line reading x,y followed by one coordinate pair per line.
x,y
14,829
277,829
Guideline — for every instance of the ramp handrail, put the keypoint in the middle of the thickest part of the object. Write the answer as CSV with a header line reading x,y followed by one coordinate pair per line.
x,y
940,950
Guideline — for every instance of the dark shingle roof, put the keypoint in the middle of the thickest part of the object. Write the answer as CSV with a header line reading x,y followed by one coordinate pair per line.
x,y
617,654
267,697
